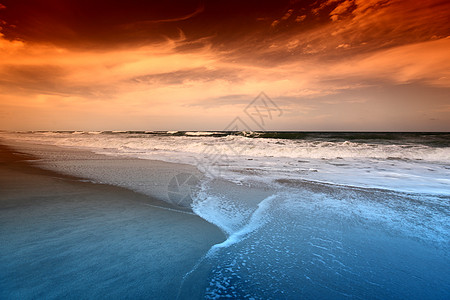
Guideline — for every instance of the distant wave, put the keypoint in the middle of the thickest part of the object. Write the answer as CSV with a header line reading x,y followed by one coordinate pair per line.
x,y
436,139
408,162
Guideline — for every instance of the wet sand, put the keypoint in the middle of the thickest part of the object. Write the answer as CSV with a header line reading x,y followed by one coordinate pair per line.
x,y
148,177
62,237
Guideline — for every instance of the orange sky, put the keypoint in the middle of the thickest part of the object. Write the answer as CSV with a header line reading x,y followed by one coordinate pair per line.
x,y
380,65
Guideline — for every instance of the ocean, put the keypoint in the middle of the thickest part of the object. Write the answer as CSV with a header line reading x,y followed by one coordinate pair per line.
x,y
328,215
403,162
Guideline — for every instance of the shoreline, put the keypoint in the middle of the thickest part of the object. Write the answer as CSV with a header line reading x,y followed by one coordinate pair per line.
x,y
153,176
63,236
144,176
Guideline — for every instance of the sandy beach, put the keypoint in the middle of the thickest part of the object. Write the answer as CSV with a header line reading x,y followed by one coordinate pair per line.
x,y
62,237
79,223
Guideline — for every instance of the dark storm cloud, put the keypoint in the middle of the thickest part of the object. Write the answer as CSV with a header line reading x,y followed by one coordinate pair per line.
x,y
111,23
256,32
81,23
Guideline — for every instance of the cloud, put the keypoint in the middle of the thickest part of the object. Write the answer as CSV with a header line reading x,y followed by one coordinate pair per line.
x,y
307,67
301,18
285,17
404,64
2,6
203,74
275,23
391,20
44,69
343,46
322,5
185,76
197,11
341,9
8,47
360,27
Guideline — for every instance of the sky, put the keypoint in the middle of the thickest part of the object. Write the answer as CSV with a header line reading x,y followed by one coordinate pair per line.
x,y
326,65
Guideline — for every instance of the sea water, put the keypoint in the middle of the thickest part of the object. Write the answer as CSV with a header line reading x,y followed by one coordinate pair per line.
x,y
346,215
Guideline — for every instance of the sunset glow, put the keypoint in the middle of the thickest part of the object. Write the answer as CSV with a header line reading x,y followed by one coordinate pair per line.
x,y
380,65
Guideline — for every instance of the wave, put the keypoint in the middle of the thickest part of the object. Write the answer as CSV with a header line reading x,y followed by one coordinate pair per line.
x,y
398,164
300,234
258,218
437,139
235,145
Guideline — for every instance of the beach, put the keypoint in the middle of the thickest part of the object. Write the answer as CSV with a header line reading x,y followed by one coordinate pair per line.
x,y
65,238
93,215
